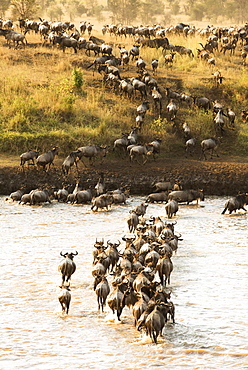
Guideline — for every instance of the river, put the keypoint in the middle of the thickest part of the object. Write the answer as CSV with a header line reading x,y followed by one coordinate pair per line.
x,y
209,290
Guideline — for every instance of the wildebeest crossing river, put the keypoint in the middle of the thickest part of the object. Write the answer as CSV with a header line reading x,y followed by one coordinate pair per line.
x,y
208,284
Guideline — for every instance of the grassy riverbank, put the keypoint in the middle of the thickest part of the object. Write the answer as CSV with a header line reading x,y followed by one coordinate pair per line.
x,y
50,98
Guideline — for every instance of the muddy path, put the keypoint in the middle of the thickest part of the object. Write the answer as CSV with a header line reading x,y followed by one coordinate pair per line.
x,y
221,177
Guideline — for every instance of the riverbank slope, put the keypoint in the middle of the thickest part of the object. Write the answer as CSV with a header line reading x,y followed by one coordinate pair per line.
x,y
224,176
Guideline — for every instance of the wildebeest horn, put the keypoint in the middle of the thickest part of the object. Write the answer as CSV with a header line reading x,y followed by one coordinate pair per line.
x,y
75,254
174,222
63,255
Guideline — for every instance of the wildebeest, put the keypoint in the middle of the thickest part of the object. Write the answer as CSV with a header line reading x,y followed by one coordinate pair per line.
x,y
157,100
235,203
100,186
139,86
91,152
134,51
168,58
186,131
70,160
172,110
132,221
156,143
231,117
190,146
102,201
126,88
140,151
120,197
61,195
102,292
98,61
171,208
219,121
140,209
45,160
28,157
140,64
106,49
67,267
211,145
83,196
143,108
113,254
133,136
16,195
16,37
65,299
182,50
115,299
121,144
154,66
156,320
202,102
244,116
26,198
157,197
163,186
164,268
68,42
186,195
96,40
39,196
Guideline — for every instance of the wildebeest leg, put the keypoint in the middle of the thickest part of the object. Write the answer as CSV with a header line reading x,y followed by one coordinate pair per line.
x,y
63,281
99,303
63,307
145,159
119,311
67,308
76,165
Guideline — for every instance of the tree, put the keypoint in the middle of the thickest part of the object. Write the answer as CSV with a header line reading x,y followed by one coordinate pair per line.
x,y
55,12
213,10
4,5
124,11
150,9
75,9
24,8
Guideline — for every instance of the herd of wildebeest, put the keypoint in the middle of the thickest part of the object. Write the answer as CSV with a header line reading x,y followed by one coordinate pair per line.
x,y
137,274
216,41
139,270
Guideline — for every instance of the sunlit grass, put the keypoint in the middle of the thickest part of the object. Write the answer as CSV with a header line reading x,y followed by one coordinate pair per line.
x,y
40,106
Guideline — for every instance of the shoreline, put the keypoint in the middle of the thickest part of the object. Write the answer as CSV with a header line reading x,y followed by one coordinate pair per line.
x,y
214,178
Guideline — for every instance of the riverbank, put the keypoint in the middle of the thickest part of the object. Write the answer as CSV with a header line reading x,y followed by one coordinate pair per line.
x,y
216,177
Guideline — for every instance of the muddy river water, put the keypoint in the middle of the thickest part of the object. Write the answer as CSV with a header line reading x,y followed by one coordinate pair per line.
x,y
209,287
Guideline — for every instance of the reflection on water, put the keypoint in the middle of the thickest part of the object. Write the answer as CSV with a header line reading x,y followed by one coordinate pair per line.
x,y
208,283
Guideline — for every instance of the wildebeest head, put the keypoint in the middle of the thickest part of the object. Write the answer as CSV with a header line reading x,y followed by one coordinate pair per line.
x,y
70,255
